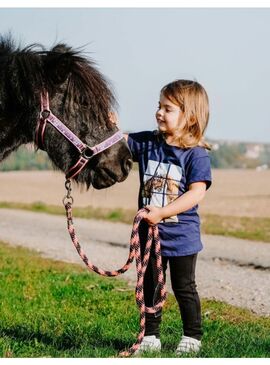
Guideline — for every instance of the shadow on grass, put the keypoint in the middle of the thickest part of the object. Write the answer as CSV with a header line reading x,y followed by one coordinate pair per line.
x,y
65,341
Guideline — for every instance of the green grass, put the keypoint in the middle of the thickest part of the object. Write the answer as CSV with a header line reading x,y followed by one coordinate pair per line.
x,y
54,309
255,228
251,228
115,215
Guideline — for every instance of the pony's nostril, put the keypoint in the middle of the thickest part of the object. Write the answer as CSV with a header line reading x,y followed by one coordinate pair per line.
x,y
129,164
126,166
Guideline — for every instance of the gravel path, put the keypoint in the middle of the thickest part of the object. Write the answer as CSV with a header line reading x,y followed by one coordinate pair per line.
x,y
232,270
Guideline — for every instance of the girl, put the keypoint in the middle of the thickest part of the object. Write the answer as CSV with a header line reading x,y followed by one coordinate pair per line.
x,y
175,173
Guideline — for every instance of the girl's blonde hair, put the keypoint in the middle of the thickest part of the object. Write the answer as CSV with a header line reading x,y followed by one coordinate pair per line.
x,y
192,99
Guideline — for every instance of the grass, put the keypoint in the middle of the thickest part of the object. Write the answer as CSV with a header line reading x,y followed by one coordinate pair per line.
x,y
115,215
54,309
255,228
251,228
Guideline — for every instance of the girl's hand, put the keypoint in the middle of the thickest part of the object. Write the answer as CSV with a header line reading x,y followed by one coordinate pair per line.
x,y
154,215
113,117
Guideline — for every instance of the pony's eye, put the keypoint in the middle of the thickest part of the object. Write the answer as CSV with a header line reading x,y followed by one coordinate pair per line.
x,y
85,104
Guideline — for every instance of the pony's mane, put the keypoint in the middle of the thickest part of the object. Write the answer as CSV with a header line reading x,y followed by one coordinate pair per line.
x,y
30,68
86,87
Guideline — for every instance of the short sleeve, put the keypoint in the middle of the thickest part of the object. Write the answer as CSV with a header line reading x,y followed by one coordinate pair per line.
x,y
133,146
199,169
139,142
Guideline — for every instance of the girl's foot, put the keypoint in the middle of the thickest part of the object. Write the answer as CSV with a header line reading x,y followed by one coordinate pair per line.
x,y
187,345
149,343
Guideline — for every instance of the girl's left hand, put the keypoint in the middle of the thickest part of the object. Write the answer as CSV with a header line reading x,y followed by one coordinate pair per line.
x,y
154,215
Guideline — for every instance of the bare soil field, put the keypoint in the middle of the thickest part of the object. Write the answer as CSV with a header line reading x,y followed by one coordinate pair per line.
x,y
233,192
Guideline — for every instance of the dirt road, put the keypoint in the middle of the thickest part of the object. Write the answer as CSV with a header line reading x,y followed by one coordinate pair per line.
x,y
233,270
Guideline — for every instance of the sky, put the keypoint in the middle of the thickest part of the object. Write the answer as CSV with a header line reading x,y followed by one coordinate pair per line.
x,y
140,50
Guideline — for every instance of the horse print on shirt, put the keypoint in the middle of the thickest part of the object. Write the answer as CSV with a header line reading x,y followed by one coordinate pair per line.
x,y
161,185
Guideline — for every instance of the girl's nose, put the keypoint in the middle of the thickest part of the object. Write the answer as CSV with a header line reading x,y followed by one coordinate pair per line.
x,y
159,113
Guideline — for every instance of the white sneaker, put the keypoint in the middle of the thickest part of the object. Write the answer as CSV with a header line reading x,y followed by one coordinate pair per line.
x,y
187,345
149,343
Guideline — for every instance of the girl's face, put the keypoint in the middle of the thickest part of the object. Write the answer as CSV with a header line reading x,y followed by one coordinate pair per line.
x,y
170,117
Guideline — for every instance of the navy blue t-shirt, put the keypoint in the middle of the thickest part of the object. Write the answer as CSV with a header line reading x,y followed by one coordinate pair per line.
x,y
165,173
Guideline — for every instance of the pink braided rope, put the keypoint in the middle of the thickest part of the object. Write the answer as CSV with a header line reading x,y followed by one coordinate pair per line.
x,y
141,265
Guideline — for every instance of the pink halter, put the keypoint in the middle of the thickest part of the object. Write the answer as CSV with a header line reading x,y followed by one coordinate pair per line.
x,y
86,152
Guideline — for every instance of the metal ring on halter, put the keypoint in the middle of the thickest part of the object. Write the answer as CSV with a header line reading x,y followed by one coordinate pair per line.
x,y
87,153
67,199
68,185
45,113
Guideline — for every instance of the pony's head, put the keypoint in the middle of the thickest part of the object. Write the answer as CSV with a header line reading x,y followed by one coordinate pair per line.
x,y
79,96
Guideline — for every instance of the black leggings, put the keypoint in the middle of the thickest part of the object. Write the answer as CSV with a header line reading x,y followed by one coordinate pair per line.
x,y
182,270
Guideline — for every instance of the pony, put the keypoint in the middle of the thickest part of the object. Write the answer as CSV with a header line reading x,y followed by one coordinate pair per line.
x,y
161,183
78,94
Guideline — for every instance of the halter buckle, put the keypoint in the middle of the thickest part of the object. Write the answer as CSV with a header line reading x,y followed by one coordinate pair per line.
x,y
87,153
44,114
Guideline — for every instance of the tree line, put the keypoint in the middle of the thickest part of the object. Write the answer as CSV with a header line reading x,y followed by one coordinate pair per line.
x,y
223,155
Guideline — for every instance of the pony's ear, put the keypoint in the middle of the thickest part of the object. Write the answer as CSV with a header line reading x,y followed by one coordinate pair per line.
x,y
58,64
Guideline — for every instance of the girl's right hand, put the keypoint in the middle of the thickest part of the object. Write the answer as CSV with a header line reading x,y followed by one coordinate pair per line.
x,y
154,215
113,118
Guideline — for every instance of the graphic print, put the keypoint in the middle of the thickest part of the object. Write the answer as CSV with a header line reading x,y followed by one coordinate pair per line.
x,y
161,185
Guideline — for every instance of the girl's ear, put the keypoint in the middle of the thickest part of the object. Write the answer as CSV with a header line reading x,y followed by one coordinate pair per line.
x,y
58,64
192,120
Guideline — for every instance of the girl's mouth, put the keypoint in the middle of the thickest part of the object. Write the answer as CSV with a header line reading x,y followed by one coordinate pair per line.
x,y
160,121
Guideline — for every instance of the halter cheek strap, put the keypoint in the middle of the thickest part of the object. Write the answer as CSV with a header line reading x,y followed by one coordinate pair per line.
x,y
86,152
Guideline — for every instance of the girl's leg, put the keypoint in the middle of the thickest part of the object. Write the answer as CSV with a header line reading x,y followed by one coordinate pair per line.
x,y
151,295
182,269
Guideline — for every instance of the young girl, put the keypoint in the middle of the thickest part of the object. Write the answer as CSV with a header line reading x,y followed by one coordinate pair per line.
x,y
175,173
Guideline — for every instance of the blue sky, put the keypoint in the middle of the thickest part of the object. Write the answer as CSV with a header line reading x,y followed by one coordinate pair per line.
x,y
140,50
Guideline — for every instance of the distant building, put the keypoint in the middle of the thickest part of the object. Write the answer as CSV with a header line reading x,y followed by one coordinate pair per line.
x,y
253,151
215,146
262,167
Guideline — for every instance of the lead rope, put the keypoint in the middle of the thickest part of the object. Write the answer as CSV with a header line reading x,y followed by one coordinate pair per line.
x,y
141,264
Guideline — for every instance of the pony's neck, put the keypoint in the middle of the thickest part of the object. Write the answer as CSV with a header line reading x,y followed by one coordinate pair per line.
x,y
10,139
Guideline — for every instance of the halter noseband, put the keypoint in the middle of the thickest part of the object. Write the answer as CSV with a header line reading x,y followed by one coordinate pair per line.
x,y
86,152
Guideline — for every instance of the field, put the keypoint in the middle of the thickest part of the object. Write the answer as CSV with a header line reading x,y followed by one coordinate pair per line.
x,y
54,309
236,193
46,304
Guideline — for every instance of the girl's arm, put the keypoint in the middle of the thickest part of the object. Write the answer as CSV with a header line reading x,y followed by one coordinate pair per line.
x,y
192,197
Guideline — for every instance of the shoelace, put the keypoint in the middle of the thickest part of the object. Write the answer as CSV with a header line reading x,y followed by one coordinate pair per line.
x,y
141,265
